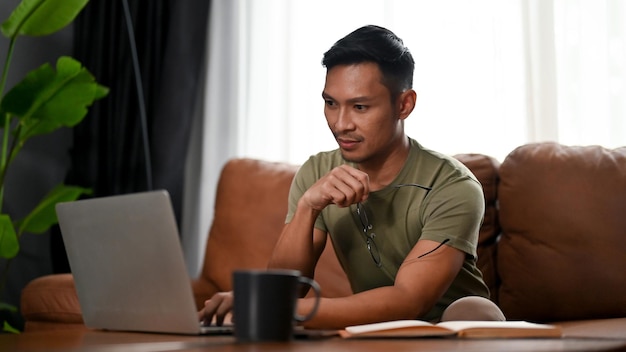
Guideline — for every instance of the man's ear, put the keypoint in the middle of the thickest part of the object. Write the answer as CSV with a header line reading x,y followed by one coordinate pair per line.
x,y
406,103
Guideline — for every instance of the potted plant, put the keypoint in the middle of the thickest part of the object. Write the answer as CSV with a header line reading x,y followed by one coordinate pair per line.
x,y
45,100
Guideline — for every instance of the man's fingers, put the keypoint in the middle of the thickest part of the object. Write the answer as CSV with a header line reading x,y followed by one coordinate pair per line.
x,y
342,186
223,309
216,308
204,316
351,185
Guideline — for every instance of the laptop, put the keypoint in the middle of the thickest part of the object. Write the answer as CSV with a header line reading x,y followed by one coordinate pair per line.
x,y
130,275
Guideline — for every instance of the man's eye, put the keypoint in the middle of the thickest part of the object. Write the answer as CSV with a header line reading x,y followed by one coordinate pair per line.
x,y
329,102
360,107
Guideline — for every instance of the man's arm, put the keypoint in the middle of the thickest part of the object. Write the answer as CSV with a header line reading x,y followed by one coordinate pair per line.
x,y
300,244
418,286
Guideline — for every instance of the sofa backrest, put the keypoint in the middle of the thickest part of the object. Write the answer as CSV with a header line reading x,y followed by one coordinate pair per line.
x,y
562,252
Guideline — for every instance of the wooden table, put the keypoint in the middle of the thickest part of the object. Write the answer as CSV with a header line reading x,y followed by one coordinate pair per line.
x,y
106,341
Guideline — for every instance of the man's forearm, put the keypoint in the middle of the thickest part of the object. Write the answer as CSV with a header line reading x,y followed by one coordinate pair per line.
x,y
376,305
296,248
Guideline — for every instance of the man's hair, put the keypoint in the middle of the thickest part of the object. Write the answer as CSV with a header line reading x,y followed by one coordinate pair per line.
x,y
380,46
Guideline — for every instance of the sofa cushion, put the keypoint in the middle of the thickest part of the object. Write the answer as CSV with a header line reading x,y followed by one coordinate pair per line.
x,y
561,255
485,168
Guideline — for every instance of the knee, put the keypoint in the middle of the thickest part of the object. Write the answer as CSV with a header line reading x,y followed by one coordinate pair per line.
x,y
473,308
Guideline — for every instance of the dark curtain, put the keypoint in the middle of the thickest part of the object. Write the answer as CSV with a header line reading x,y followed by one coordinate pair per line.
x,y
109,153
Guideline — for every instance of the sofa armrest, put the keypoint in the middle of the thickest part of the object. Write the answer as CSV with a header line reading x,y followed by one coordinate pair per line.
x,y
51,302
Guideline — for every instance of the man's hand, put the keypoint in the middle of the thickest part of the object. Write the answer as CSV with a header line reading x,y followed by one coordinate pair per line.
x,y
342,186
217,309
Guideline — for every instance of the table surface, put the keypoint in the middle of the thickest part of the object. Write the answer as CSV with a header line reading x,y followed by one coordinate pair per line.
x,y
108,341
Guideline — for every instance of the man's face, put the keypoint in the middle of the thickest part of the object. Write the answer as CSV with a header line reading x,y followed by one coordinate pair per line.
x,y
360,113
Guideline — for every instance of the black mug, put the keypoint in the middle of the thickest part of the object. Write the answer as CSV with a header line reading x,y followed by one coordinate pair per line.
x,y
265,301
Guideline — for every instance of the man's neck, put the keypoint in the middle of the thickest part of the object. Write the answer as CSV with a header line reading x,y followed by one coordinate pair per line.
x,y
383,170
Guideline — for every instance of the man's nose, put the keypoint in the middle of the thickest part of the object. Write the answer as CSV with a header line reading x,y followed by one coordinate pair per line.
x,y
344,120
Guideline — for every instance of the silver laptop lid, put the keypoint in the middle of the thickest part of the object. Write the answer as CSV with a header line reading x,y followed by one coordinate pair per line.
x,y
127,262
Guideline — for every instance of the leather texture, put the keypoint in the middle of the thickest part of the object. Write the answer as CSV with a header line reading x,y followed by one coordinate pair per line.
x,y
562,252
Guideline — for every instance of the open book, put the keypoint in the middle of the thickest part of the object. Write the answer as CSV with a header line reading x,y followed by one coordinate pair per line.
x,y
475,329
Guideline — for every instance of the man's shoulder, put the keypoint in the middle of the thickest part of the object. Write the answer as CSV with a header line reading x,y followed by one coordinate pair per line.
x,y
443,164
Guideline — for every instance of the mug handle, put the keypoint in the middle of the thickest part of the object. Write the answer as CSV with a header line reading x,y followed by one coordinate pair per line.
x,y
314,285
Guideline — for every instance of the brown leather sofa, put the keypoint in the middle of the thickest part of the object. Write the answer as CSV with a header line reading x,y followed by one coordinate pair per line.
x,y
552,246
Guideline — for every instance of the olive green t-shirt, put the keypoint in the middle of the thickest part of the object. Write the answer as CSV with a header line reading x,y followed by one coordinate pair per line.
x,y
400,215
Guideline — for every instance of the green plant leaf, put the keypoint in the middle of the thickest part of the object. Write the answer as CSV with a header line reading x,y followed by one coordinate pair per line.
x,y
8,307
9,245
46,100
41,17
8,328
44,215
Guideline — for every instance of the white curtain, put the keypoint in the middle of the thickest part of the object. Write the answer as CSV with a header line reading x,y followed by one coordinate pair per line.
x,y
490,75
215,131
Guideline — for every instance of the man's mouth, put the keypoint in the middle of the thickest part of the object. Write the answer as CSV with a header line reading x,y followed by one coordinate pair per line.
x,y
347,143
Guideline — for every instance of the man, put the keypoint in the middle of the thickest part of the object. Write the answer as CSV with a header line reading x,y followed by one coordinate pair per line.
x,y
403,219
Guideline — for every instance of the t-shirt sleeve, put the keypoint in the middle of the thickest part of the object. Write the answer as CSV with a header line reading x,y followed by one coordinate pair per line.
x,y
455,212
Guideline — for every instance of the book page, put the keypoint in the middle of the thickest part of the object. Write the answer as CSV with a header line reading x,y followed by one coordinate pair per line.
x,y
398,328
501,329
463,325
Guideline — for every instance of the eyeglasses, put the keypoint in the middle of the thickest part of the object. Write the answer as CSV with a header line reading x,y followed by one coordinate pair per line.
x,y
369,238
370,235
